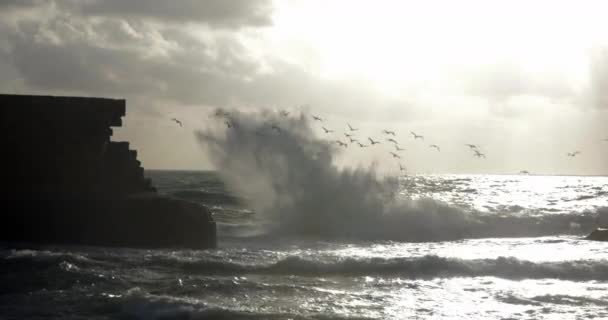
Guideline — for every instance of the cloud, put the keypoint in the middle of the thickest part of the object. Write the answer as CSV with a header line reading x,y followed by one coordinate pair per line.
x,y
215,13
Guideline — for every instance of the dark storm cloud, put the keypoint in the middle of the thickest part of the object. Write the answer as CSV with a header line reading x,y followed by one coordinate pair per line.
x,y
215,13
222,13
123,58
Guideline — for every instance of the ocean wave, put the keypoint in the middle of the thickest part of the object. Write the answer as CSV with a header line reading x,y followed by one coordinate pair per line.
x,y
138,304
292,182
429,266
207,197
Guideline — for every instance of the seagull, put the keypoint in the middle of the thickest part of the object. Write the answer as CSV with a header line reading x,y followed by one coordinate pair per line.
x,y
395,155
361,145
524,172
317,118
284,113
572,154
351,128
398,149
352,140
401,167
389,132
327,130
341,144
435,146
348,135
479,154
471,146
228,124
416,136
372,141
392,140
177,121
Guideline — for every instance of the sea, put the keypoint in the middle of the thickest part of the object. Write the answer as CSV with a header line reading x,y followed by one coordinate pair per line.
x,y
468,247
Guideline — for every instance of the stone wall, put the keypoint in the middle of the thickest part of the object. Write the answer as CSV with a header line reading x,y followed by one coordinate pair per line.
x,y
65,181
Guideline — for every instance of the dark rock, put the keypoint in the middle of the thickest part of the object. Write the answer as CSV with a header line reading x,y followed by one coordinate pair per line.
x,y
598,234
66,182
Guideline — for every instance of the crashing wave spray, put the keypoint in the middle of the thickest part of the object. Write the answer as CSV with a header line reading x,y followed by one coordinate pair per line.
x,y
290,179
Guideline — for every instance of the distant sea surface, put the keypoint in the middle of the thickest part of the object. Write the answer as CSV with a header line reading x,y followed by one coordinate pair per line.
x,y
522,257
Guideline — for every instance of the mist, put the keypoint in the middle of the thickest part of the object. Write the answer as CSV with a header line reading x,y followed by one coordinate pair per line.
x,y
290,178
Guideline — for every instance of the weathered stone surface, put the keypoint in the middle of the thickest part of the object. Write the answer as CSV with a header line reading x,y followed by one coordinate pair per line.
x,y
66,182
598,234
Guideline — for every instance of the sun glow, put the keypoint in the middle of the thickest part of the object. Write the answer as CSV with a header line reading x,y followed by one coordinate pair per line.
x,y
397,44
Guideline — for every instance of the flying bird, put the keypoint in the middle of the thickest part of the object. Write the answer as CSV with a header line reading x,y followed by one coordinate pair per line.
x,y
361,145
351,128
317,118
573,154
435,146
479,154
416,136
471,146
372,141
228,124
401,167
398,149
341,144
352,140
348,135
327,130
524,172
177,121
395,155
284,113
392,140
389,132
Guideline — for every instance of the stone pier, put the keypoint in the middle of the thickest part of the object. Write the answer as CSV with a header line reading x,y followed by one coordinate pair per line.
x,y
64,181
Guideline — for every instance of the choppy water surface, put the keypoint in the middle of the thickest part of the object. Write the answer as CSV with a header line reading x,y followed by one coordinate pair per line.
x,y
550,274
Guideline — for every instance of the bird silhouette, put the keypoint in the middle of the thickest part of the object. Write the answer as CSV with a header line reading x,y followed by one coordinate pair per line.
x,y
471,146
317,118
435,146
177,121
352,140
228,124
348,135
361,145
327,130
284,113
479,154
392,140
416,136
395,155
341,144
524,172
351,128
387,132
401,167
397,148
372,141
573,154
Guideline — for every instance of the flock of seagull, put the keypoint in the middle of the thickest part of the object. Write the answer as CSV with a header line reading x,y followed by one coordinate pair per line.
x,y
351,136
390,137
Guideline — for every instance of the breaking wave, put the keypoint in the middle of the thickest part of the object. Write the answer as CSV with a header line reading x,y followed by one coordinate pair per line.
x,y
290,179
429,266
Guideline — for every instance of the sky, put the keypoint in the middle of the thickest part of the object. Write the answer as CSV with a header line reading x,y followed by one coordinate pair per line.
x,y
527,81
